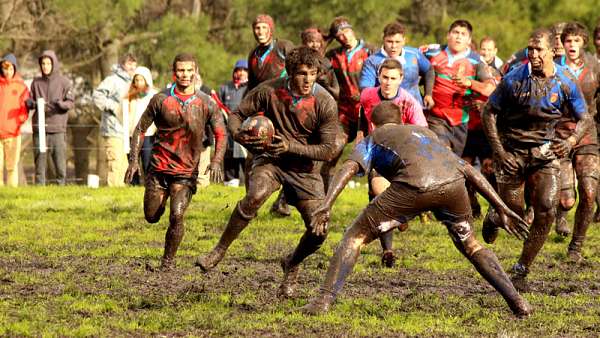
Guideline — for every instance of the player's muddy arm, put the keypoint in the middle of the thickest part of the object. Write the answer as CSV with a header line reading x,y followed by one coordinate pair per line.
x,y
489,119
483,187
137,139
583,126
339,181
429,80
485,88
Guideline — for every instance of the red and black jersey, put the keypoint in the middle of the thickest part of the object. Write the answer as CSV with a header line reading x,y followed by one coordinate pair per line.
x,y
588,79
479,100
347,65
308,123
268,62
180,130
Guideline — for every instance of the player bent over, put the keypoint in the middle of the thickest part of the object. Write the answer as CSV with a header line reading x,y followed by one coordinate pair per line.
x,y
305,119
180,114
425,176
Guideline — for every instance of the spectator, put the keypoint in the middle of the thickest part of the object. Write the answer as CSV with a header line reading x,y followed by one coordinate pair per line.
x,y
108,97
140,92
55,89
231,95
14,98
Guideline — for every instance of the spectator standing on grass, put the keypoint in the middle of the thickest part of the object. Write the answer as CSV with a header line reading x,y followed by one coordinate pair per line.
x,y
55,89
14,102
108,97
140,92
231,95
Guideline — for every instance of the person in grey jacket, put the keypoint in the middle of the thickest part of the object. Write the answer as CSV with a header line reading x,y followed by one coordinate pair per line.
x,y
55,89
108,97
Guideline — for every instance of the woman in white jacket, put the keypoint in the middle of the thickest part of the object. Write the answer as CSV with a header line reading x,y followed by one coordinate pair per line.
x,y
138,97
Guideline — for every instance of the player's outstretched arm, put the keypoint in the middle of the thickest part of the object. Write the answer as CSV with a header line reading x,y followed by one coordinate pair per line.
x,y
337,184
519,228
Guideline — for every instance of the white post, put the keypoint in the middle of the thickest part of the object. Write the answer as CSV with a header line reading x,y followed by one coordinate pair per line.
x,y
125,109
41,124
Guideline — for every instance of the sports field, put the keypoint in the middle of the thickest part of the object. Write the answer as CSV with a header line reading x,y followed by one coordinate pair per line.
x,y
81,262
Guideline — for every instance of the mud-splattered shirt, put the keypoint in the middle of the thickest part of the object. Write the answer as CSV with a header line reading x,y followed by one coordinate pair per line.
x,y
268,62
452,101
347,65
308,123
409,154
479,100
588,79
529,107
180,131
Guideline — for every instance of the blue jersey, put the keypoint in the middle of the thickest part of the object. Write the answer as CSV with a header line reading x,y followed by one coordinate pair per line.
x,y
414,64
529,108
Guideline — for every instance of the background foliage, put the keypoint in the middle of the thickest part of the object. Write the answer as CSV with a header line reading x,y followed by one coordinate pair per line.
x,y
89,35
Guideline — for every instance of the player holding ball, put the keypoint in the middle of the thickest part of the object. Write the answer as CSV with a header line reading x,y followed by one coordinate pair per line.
x,y
304,117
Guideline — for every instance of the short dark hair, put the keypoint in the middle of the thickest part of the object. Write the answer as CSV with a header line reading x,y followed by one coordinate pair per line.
x,y
302,56
185,57
575,29
340,21
542,33
127,57
461,23
386,112
393,29
486,39
390,63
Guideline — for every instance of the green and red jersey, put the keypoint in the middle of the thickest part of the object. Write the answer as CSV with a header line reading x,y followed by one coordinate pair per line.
x,y
452,102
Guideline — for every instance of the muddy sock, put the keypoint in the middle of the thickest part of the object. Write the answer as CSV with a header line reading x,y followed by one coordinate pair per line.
x,y
173,238
237,222
309,243
386,239
488,266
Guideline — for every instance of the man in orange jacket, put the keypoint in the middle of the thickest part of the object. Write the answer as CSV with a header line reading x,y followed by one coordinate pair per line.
x,y
14,96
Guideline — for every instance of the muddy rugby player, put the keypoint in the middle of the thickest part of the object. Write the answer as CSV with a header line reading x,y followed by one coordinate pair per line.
x,y
305,119
425,176
180,114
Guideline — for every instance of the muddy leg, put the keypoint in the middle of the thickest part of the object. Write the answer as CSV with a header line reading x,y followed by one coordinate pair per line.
x,y
180,200
567,197
340,265
543,187
308,244
587,173
261,185
486,263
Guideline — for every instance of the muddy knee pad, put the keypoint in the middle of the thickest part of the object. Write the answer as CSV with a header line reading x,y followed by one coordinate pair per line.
x,y
462,236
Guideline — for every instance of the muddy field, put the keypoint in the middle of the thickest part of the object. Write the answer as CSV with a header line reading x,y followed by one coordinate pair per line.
x,y
90,269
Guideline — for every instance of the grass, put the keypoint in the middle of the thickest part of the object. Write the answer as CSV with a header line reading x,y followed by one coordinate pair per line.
x,y
78,262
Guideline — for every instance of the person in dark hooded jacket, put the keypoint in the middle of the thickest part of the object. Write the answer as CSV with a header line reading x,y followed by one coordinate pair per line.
x,y
55,89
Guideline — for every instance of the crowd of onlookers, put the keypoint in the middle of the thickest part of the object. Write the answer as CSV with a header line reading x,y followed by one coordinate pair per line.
x,y
37,116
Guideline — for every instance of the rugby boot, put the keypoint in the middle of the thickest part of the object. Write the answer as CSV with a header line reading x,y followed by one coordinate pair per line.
x,y
519,274
489,230
562,226
388,259
574,251
320,304
290,277
280,207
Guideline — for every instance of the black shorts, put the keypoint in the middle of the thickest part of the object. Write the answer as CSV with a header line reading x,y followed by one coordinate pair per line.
x,y
455,137
477,145
162,181
528,164
297,186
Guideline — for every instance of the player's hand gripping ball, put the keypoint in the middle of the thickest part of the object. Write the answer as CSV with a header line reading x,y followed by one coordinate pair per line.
x,y
257,133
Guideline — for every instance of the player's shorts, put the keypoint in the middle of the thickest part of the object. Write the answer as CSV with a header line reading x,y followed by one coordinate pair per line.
x,y
297,186
161,181
400,203
528,164
455,137
477,145
348,112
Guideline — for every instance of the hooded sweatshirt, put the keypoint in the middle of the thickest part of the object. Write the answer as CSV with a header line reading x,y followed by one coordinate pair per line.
x,y
13,95
55,88
138,105
108,98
